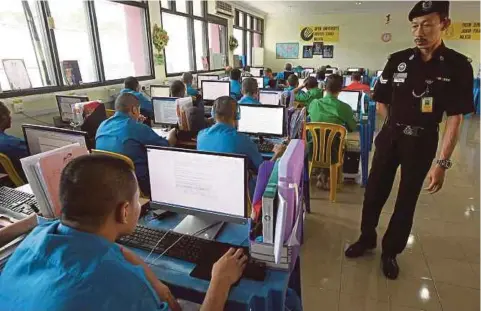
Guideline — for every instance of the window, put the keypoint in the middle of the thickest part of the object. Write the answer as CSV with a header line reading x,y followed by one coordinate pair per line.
x,y
248,30
165,4
197,42
17,44
123,40
87,43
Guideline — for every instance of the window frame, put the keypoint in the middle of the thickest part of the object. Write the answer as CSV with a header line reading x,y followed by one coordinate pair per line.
x,y
206,19
52,54
249,28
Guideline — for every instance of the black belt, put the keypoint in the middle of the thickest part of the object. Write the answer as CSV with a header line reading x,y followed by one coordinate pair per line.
x,y
412,130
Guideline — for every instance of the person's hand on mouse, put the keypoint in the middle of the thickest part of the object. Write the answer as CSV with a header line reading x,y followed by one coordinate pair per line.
x,y
228,269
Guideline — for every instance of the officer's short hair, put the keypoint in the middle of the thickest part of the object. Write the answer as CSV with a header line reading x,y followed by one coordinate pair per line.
x,y
235,74
334,84
249,86
288,67
293,80
108,182
131,83
311,83
177,89
187,78
4,116
223,107
268,70
125,102
356,77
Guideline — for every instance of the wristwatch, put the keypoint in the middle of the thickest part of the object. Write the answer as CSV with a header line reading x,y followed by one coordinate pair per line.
x,y
446,164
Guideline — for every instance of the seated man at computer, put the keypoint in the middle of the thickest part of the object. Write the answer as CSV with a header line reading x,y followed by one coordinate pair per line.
x,y
331,110
188,78
132,86
250,90
195,114
235,84
357,85
313,92
223,136
74,263
269,80
14,148
280,76
122,133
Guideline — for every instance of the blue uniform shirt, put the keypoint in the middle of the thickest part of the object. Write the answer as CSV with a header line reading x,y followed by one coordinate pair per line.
x,y
191,91
14,148
122,134
224,138
249,100
235,89
58,268
145,102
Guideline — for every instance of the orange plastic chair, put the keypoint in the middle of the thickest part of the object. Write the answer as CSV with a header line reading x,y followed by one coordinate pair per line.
x,y
321,153
12,173
109,112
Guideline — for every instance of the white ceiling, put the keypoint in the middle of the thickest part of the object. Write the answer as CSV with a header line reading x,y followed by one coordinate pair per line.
x,y
322,7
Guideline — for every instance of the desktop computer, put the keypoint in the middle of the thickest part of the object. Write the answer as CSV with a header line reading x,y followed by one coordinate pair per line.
x,y
211,90
165,114
44,138
262,121
257,71
260,81
65,103
352,98
271,98
159,91
201,78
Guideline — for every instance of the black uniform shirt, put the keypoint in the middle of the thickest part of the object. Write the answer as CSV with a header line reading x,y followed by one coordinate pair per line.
x,y
447,77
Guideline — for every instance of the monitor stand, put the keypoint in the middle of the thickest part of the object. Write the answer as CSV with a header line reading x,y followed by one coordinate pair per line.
x,y
192,224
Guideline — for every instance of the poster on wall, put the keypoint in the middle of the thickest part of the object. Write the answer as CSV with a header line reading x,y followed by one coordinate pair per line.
x,y
318,48
462,31
71,72
328,51
319,33
287,50
307,51
17,74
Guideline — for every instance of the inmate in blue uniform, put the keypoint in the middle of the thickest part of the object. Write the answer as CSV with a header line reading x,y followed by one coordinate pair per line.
x,y
124,135
235,89
249,100
58,268
191,91
146,106
15,149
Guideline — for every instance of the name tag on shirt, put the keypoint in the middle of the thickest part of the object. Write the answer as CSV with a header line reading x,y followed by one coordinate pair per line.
x,y
400,77
427,104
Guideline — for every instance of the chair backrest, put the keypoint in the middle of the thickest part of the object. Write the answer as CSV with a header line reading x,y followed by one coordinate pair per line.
x,y
321,152
10,170
115,155
109,112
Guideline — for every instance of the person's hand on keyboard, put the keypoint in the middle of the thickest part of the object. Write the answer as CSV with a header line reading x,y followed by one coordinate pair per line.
x,y
228,269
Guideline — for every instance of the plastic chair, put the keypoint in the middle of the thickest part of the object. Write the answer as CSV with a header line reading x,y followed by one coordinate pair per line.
x,y
321,153
109,112
12,173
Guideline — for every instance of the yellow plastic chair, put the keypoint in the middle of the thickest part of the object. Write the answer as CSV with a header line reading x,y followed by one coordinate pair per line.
x,y
321,152
10,170
109,112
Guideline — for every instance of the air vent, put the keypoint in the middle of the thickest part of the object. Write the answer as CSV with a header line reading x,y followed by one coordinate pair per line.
x,y
224,8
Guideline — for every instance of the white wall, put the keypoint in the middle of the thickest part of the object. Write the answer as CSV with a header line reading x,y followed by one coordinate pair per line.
x,y
360,37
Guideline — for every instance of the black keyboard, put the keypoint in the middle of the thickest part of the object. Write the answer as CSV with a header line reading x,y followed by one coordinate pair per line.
x,y
265,146
10,197
196,250
26,208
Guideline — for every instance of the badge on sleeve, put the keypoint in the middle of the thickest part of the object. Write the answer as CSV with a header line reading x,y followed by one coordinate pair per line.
x,y
427,104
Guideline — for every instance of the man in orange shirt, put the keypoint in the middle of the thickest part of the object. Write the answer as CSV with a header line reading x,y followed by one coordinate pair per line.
x,y
356,84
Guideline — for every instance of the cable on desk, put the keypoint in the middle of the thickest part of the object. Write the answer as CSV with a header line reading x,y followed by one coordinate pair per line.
x,y
160,240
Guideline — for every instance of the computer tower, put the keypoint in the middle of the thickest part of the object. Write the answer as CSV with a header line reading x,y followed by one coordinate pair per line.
x,y
352,155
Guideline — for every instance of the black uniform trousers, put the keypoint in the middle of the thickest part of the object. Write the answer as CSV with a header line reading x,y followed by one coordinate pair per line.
x,y
415,155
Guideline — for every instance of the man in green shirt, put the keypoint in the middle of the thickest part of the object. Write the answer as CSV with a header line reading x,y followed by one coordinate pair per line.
x,y
331,110
313,92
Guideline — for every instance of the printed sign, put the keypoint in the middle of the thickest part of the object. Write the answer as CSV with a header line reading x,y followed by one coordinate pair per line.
x,y
462,31
319,33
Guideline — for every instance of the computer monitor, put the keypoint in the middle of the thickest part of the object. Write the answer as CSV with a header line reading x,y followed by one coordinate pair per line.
x,y
260,81
211,186
159,91
44,138
201,78
330,71
347,80
271,98
65,103
309,69
165,111
262,120
378,73
211,90
257,71
352,98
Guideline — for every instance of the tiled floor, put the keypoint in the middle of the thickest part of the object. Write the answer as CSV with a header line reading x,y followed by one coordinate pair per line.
x,y
439,269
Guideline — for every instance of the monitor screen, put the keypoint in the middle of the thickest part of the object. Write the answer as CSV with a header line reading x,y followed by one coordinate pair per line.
x,y
193,181
159,91
211,90
43,138
309,70
379,73
347,80
201,78
165,110
65,102
330,71
260,81
257,71
260,119
271,98
350,98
